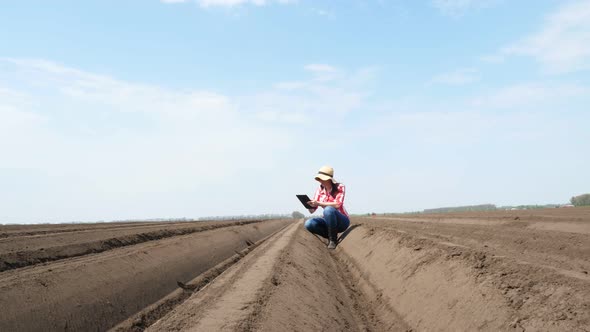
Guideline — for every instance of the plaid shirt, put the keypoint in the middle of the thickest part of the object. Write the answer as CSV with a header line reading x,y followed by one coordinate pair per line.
x,y
321,195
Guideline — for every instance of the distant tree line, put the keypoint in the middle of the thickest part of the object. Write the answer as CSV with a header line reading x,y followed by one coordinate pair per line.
x,y
481,207
529,207
581,200
297,215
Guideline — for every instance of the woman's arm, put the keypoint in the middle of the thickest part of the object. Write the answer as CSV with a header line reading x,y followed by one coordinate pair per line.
x,y
326,204
313,202
338,200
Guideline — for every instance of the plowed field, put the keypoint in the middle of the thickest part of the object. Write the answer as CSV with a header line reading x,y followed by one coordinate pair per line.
x,y
497,271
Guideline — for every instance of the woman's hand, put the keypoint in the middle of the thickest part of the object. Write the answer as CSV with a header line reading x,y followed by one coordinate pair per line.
x,y
313,203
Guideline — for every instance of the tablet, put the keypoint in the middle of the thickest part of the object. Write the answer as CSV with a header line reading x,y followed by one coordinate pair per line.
x,y
304,199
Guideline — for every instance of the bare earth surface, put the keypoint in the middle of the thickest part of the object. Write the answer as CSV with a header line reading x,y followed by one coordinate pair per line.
x,y
28,245
95,291
494,271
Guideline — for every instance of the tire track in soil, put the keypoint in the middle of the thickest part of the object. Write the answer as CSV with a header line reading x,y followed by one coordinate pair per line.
x,y
334,294
148,316
290,283
438,285
565,252
223,303
36,230
368,300
96,292
20,259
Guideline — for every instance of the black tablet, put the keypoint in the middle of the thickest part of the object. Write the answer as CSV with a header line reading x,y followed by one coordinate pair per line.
x,y
304,199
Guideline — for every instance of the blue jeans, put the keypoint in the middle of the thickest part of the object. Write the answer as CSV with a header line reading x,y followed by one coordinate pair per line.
x,y
332,219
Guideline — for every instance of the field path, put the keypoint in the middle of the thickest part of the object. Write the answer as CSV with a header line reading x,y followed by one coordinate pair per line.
x,y
290,283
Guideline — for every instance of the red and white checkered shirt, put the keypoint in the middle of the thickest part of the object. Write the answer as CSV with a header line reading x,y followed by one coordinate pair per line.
x,y
321,195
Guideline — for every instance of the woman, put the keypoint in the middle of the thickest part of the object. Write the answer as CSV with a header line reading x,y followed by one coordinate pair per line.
x,y
330,196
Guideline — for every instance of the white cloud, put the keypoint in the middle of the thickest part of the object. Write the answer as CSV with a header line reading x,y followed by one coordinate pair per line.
x,y
320,68
463,150
323,12
282,117
562,45
293,85
323,72
124,144
308,101
85,121
458,77
459,7
545,95
230,3
431,147
105,148
493,58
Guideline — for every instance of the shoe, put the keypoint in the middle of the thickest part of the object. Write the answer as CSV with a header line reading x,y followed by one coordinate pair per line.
x,y
333,237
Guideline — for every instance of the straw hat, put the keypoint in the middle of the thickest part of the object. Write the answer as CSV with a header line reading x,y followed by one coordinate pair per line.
x,y
325,173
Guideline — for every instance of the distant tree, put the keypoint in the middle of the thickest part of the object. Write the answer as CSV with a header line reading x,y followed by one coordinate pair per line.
x,y
297,215
481,207
581,200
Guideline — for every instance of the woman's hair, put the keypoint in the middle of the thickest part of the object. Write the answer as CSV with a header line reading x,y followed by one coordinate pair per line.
x,y
334,188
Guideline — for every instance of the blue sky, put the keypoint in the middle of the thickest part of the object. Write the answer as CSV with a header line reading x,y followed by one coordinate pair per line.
x,y
147,109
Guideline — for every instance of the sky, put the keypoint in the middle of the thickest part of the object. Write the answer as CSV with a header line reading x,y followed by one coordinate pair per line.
x,y
115,110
